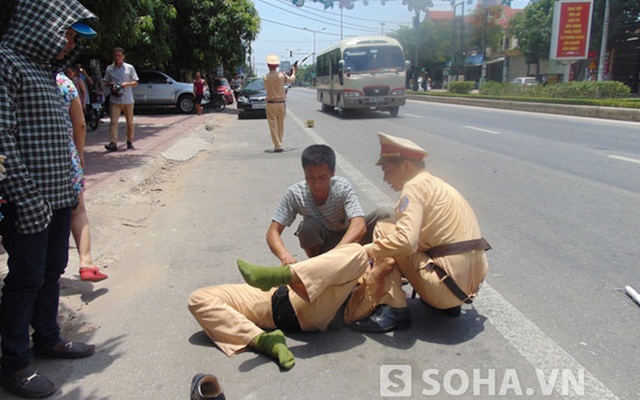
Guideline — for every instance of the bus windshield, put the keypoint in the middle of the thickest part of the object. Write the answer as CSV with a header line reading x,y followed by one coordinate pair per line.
x,y
373,59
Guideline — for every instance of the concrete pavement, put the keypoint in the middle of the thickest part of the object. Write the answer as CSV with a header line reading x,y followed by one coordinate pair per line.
x,y
119,199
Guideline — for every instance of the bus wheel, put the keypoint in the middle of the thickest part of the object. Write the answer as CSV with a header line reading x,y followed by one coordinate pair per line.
x,y
327,108
394,111
341,111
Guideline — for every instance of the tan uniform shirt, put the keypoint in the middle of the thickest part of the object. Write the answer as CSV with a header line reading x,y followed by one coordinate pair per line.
x,y
429,213
274,84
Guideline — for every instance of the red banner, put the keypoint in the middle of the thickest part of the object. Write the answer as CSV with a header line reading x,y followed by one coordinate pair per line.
x,y
572,25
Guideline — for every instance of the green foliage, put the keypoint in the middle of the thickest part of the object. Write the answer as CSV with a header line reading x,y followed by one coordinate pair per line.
x,y
461,87
532,28
214,32
563,90
434,40
491,88
628,102
305,75
485,26
177,36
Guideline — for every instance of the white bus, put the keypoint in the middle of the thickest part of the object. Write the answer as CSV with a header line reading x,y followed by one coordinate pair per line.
x,y
365,72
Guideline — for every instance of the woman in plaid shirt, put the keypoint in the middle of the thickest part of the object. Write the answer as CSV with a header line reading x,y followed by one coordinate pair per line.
x,y
34,136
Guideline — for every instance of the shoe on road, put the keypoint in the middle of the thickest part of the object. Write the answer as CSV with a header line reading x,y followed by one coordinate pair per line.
x,y
384,319
206,387
130,146
27,383
65,349
111,146
92,274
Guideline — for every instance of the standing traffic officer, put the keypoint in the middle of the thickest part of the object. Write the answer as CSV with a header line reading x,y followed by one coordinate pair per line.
x,y
274,83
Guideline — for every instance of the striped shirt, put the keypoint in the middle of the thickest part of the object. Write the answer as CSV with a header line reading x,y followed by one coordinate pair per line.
x,y
341,205
34,134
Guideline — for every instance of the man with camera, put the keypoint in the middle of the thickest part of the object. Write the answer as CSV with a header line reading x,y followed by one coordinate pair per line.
x,y
121,77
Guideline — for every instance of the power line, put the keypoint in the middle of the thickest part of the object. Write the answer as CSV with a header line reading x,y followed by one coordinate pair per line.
x,y
296,27
324,19
377,22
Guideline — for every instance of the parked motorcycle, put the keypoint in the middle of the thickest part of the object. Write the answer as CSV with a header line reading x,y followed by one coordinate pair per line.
x,y
215,102
94,111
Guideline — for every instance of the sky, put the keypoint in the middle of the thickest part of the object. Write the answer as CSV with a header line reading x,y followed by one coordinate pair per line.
x,y
283,25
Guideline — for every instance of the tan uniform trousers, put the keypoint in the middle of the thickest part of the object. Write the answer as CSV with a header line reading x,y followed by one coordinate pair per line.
x,y
232,315
415,268
275,117
115,110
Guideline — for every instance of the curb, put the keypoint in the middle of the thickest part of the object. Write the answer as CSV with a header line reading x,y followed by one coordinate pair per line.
x,y
615,113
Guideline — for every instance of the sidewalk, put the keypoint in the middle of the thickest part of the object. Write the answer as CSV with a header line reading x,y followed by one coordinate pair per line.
x,y
110,175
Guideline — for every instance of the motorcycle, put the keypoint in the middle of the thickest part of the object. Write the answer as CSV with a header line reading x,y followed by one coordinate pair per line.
x,y
94,111
215,102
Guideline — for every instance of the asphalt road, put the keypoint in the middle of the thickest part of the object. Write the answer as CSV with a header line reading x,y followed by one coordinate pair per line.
x,y
556,197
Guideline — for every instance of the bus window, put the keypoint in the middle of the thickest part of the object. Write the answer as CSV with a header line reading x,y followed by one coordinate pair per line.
x,y
374,59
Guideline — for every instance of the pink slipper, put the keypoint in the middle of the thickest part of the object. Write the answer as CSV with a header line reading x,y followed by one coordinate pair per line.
x,y
92,274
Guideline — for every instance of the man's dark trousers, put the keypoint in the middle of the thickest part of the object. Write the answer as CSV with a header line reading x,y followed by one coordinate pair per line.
x,y
31,290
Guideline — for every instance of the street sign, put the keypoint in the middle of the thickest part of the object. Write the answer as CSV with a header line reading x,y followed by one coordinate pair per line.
x,y
571,29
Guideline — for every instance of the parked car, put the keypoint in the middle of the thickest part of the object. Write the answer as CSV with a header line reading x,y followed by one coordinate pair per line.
x,y
525,81
157,89
221,86
252,99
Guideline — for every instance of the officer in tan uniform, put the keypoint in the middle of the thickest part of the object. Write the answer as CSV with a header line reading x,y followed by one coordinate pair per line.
x,y
435,244
235,316
276,110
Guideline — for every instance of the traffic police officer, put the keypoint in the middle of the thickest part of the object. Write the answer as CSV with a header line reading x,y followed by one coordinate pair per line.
x,y
276,110
435,244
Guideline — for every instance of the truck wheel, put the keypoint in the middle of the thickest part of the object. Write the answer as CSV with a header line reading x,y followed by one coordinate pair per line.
x,y
186,104
394,111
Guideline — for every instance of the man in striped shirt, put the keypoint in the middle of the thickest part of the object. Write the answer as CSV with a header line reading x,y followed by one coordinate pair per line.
x,y
330,210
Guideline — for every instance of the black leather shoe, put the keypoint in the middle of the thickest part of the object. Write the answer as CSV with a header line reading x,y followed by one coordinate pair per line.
x,y
384,319
206,387
65,349
130,146
111,146
27,383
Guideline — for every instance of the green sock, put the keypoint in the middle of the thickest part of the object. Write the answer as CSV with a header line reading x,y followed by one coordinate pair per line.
x,y
264,278
274,345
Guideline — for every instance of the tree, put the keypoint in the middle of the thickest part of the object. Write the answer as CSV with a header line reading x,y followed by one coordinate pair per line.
x,y
214,32
624,22
485,31
144,28
435,45
177,36
532,28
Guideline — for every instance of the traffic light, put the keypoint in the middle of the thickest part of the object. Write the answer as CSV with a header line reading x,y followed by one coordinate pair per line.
x,y
290,53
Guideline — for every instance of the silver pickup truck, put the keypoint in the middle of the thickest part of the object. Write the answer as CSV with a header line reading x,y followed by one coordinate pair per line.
x,y
157,89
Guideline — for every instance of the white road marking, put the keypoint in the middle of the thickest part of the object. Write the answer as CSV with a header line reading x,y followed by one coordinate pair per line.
x,y
527,338
483,130
411,115
628,159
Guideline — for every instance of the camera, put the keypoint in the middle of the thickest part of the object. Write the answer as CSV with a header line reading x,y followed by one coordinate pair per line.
x,y
117,90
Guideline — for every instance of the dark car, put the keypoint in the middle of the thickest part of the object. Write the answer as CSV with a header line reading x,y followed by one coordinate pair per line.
x,y
221,86
252,99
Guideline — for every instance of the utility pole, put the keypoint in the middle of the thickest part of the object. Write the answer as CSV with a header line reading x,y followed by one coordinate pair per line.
x,y
416,71
603,45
